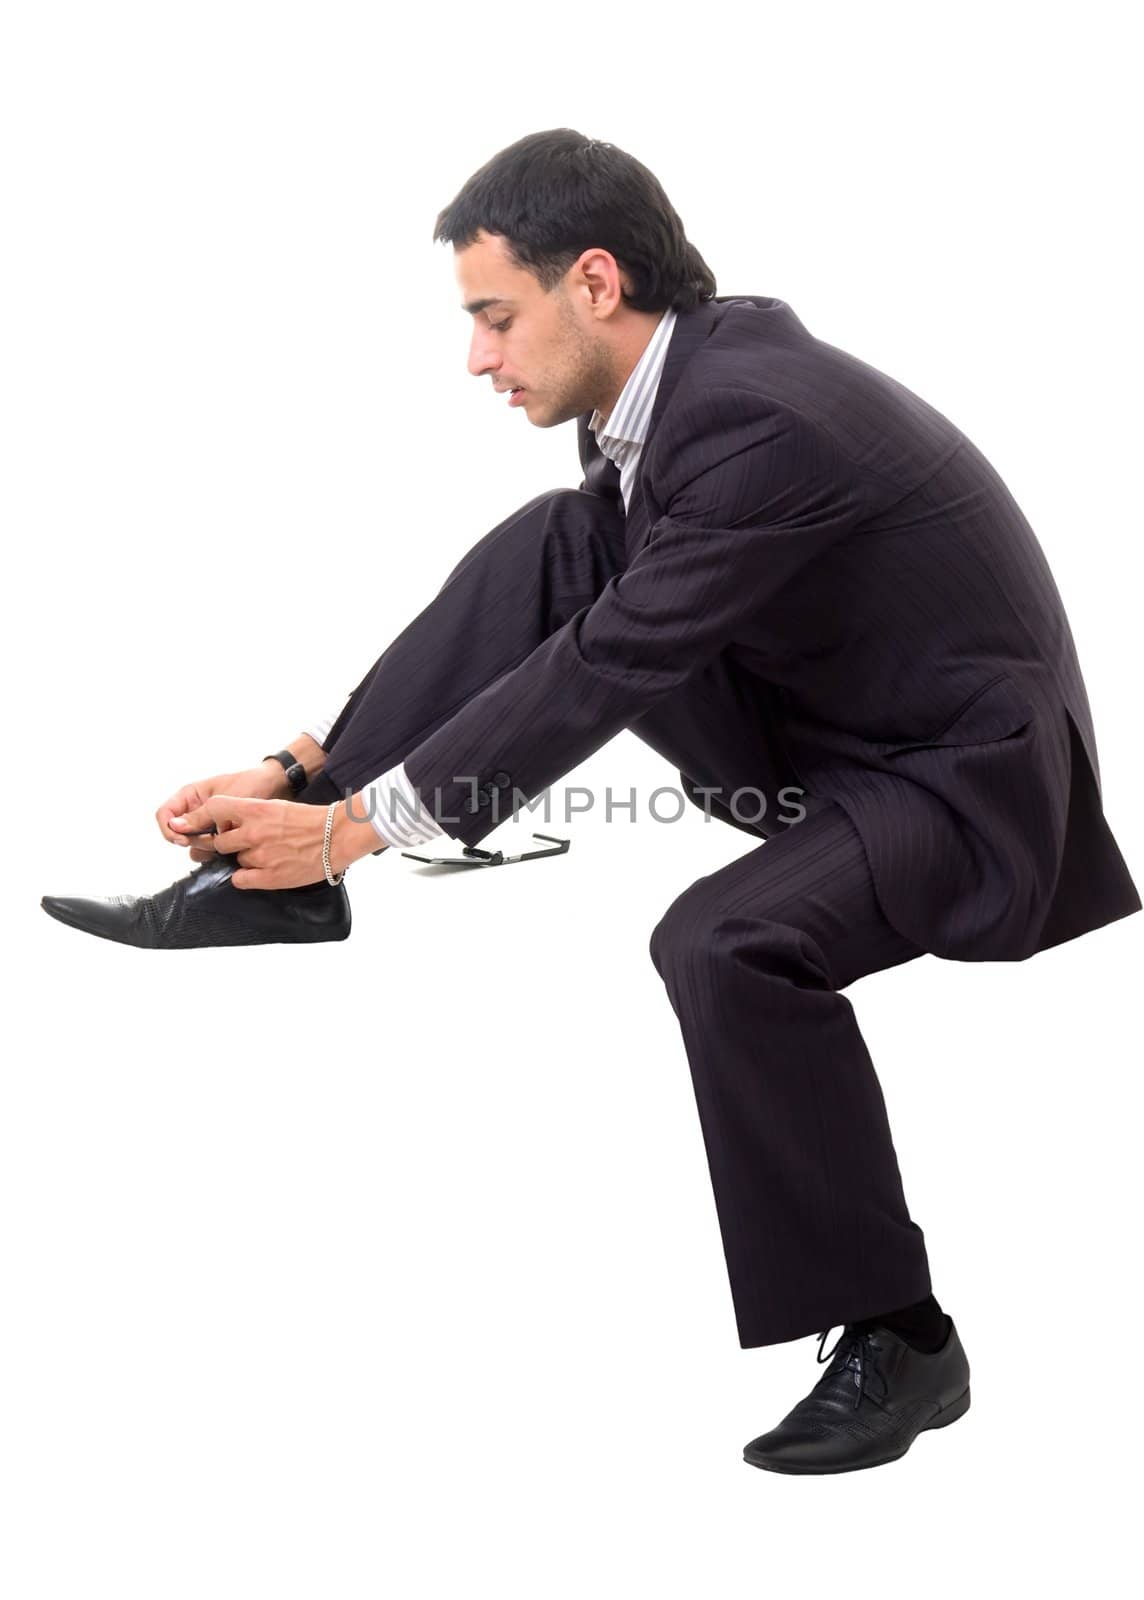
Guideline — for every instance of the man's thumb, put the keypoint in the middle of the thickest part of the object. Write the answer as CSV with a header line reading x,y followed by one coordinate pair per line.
x,y
196,821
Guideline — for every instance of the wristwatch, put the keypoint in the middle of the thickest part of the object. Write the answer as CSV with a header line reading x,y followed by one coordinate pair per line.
x,y
295,771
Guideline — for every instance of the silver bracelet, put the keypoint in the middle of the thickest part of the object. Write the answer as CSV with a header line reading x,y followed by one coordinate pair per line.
x,y
330,879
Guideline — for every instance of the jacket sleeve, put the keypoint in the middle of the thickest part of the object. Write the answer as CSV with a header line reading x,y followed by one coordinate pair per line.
x,y
753,493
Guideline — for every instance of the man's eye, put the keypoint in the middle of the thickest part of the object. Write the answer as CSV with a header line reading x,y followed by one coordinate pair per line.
x,y
499,327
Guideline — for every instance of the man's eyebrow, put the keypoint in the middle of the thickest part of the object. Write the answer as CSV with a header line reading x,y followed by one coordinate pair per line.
x,y
479,305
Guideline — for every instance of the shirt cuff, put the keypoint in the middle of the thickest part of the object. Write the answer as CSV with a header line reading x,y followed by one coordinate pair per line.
x,y
320,729
395,809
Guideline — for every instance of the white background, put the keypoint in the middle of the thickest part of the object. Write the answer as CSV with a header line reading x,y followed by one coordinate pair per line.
x,y
392,1266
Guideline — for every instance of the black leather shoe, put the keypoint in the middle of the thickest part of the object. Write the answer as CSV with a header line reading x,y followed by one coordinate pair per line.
x,y
869,1406
205,908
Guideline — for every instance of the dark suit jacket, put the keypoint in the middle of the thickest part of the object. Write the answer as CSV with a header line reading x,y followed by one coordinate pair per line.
x,y
849,550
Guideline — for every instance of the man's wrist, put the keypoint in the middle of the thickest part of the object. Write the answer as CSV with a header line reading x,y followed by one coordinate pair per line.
x,y
353,835
278,784
305,750
310,753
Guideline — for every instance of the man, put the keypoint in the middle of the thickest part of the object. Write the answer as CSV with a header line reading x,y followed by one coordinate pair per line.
x,y
798,582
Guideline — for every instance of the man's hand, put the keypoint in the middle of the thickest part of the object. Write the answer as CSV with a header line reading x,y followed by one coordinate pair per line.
x,y
279,842
265,782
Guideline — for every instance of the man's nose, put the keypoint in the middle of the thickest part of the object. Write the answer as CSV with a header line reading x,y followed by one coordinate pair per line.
x,y
482,358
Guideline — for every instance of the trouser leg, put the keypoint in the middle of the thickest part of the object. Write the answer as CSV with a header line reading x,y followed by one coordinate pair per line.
x,y
519,583
809,1198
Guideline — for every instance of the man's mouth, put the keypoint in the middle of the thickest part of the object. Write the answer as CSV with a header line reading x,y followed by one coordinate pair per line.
x,y
514,395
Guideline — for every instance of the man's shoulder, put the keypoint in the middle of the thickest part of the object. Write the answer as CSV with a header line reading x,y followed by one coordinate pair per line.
x,y
714,413
753,355
761,377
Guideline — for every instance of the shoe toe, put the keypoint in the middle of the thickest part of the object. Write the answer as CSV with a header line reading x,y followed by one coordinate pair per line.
x,y
775,1449
108,919
66,908
758,1449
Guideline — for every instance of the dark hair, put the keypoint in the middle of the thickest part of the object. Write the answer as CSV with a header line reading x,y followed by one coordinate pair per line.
x,y
553,195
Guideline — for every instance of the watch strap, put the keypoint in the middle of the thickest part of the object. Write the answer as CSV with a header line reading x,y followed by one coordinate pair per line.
x,y
295,771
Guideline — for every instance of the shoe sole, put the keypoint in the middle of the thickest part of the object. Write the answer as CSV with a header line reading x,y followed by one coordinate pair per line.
x,y
58,914
956,1408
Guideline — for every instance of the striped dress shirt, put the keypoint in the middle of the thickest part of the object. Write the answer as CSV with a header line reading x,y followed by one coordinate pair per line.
x,y
392,803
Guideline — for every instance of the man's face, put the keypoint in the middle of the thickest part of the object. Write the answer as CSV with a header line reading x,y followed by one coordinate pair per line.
x,y
548,344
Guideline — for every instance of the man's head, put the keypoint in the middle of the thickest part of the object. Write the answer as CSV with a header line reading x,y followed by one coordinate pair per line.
x,y
567,252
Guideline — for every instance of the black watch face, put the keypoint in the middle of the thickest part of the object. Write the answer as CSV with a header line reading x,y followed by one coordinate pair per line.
x,y
296,776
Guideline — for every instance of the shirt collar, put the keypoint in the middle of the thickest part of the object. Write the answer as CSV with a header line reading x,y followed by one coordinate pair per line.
x,y
631,415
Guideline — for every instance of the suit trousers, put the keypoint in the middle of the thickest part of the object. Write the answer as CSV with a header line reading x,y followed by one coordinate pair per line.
x,y
807,1189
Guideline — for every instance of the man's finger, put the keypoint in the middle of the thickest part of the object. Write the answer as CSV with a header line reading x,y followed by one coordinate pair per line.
x,y
232,807
168,812
231,840
214,811
197,821
250,877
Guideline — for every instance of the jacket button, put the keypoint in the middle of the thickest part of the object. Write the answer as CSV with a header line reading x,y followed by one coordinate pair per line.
x,y
483,798
501,779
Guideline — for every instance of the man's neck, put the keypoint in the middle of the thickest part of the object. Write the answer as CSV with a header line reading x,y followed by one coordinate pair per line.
x,y
611,401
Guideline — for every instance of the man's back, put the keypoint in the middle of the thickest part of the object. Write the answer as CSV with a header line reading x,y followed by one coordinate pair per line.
x,y
937,589
919,666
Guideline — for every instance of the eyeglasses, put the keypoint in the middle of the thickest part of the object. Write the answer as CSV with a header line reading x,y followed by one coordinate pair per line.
x,y
472,857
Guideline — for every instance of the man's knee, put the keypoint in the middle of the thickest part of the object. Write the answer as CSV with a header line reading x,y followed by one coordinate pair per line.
x,y
586,513
567,532
697,931
687,928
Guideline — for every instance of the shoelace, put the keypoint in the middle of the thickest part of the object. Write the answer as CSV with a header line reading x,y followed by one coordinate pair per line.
x,y
858,1356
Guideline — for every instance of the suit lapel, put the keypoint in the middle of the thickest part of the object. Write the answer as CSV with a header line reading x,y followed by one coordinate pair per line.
x,y
601,476
690,330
